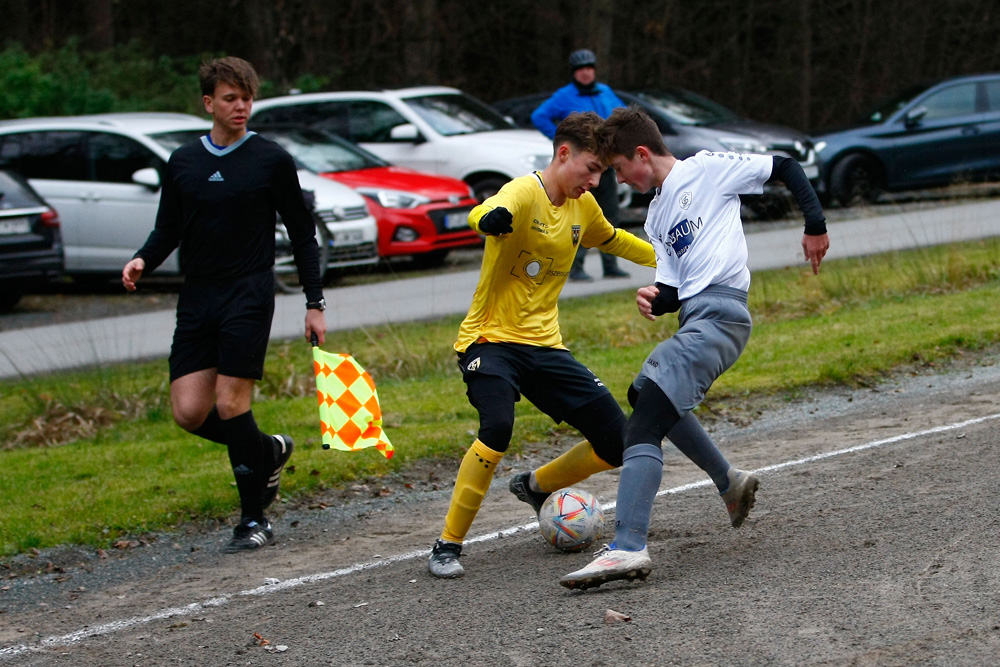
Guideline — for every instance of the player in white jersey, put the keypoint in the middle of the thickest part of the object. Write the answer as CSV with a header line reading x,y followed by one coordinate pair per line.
x,y
510,344
695,228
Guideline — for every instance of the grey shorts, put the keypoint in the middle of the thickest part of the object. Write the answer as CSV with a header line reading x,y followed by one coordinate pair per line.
x,y
714,328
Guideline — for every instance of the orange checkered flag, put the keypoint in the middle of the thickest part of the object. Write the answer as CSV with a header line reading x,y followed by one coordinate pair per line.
x,y
350,417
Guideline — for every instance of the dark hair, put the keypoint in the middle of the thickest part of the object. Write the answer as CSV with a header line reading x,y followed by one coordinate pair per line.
x,y
626,129
234,71
579,130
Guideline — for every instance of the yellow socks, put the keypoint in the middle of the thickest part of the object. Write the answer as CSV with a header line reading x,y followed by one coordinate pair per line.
x,y
471,485
579,463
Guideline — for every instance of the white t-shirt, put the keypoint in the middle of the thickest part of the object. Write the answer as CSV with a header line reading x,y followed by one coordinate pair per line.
x,y
694,220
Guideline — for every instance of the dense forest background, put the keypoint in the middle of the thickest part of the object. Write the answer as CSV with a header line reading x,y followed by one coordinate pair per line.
x,y
811,64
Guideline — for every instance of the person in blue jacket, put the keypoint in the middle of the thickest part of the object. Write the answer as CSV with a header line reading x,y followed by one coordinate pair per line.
x,y
584,93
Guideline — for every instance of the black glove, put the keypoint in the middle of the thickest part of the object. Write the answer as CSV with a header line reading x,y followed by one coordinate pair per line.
x,y
666,301
496,222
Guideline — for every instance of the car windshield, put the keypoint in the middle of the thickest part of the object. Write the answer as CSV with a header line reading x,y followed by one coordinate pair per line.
x,y
15,195
885,111
451,114
174,140
320,152
314,150
686,108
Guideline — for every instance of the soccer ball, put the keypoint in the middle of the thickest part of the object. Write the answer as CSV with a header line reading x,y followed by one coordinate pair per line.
x,y
571,519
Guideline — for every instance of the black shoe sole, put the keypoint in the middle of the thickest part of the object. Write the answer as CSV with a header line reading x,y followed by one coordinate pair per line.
x,y
235,547
597,580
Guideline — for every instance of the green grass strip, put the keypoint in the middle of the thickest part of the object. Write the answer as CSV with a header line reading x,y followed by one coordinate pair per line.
x,y
115,464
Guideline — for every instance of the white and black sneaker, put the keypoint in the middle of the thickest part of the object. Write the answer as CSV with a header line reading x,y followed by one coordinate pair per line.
x,y
250,535
281,458
443,562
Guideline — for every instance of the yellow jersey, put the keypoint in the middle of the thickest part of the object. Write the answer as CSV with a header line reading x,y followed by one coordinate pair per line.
x,y
523,272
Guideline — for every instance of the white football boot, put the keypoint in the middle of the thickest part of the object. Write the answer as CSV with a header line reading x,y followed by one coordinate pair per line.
x,y
740,496
610,565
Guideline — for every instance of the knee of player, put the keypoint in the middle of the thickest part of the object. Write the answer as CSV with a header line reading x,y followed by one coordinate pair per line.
x,y
496,430
187,418
641,432
601,422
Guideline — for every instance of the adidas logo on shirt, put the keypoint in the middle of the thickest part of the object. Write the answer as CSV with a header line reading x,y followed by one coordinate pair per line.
x,y
217,176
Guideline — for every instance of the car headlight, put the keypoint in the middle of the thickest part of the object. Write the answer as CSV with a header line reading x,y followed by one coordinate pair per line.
x,y
820,145
743,145
394,198
535,162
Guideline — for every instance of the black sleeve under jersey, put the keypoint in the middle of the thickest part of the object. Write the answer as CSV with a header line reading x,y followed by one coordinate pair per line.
x,y
789,172
666,301
166,234
301,226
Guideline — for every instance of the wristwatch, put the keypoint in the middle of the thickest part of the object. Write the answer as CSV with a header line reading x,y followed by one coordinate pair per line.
x,y
316,305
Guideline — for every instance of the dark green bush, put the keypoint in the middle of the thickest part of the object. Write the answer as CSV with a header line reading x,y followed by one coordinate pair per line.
x,y
70,81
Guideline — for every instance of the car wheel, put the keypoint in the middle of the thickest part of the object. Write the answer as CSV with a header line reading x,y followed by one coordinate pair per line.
x,y
286,274
10,294
487,187
768,207
855,180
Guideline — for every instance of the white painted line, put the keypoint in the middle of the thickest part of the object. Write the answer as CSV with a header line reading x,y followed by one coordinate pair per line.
x,y
267,589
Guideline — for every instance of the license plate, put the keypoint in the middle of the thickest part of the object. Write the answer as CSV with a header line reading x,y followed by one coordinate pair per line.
x,y
812,172
348,237
456,220
15,226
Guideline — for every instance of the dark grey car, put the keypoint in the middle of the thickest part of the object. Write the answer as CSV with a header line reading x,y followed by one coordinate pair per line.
x,y
691,123
925,136
30,245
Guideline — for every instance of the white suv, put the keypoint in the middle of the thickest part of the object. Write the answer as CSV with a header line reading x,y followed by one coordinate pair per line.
x,y
435,129
102,173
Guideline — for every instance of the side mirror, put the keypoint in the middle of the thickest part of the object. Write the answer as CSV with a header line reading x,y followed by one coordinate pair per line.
x,y
914,116
406,132
147,177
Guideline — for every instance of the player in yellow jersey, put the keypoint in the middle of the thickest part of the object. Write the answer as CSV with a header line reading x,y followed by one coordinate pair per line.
x,y
510,345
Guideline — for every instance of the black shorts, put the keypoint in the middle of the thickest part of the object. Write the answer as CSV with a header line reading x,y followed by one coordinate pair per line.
x,y
552,379
223,325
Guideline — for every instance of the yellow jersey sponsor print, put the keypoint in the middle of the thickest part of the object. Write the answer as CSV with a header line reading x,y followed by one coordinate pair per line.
x,y
523,272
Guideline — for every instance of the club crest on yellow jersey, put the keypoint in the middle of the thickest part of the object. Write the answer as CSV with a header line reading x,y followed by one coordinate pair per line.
x,y
576,235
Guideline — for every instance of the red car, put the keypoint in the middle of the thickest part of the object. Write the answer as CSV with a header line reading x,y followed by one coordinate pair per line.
x,y
419,214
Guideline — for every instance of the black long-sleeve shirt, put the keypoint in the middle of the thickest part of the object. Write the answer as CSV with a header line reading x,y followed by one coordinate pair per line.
x,y
219,206
789,172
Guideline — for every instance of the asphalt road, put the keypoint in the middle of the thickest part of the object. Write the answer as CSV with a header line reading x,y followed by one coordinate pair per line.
x,y
147,335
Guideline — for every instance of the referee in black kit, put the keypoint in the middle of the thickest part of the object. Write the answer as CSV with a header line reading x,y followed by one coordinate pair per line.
x,y
218,204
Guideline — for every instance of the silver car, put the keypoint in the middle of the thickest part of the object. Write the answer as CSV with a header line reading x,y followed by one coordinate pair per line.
x,y
102,173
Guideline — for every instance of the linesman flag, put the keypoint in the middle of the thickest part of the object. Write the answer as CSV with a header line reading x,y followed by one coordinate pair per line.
x,y
349,414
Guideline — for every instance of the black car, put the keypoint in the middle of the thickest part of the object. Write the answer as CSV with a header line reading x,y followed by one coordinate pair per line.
x,y
30,245
691,123
926,136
